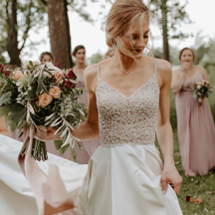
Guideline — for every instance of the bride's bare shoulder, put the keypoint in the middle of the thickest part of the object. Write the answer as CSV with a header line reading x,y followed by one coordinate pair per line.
x,y
91,75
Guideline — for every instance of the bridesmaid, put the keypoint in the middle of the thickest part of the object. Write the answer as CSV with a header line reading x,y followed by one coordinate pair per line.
x,y
46,57
196,130
110,53
79,53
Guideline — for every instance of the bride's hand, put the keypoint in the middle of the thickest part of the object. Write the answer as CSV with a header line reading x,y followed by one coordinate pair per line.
x,y
50,134
171,175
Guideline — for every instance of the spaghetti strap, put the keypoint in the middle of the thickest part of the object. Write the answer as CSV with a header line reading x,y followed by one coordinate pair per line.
x,y
98,70
155,66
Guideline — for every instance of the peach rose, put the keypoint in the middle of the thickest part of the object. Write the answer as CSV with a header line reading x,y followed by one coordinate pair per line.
x,y
44,100
58,76
55,92
17,74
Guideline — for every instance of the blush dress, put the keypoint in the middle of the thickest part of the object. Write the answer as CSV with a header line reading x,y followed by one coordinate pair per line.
x,y
196,130
123,175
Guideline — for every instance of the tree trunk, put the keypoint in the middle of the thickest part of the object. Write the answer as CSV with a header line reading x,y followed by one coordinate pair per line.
x,y
60,32
13,49
165,31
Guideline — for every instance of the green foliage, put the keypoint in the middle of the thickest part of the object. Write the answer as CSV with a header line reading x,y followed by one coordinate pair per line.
x,y
30,14
170,15
96,58
79,6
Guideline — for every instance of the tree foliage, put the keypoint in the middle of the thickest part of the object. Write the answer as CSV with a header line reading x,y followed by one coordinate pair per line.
x,y
170,16
17,18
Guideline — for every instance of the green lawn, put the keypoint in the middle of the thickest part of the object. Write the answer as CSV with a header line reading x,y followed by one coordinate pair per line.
x,y
200,186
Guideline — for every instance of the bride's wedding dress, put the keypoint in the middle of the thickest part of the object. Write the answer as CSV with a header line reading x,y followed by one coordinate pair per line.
x,y
123,175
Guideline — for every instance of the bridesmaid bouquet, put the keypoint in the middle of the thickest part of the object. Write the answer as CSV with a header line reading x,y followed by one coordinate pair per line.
x,y
37,98
200,90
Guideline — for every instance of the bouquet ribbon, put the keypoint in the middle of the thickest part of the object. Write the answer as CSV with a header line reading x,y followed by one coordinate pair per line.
x,y
50,192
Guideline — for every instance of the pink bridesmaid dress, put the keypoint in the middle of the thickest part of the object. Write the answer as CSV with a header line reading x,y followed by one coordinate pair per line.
x,y
196,131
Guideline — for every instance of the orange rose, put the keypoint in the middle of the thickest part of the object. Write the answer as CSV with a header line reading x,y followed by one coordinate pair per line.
x,y
44,100
58,76
55,92
17,74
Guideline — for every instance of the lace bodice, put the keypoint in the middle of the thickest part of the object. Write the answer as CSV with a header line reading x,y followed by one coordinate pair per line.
x,y
128,120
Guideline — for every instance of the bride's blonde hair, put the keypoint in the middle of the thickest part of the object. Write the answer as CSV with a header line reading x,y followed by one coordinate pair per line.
x,y
121,16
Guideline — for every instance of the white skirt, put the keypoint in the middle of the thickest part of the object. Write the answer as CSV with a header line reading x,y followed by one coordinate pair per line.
x,y
120,180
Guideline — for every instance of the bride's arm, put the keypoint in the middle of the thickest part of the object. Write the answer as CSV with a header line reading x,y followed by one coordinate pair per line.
x,y
88,129
164,129
3,127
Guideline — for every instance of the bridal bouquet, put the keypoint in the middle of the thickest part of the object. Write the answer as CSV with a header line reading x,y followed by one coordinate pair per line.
x,y
200,90
37,98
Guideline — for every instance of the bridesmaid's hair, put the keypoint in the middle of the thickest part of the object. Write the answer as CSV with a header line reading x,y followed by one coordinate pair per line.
x,y
77,48
181,52
121,16
46,53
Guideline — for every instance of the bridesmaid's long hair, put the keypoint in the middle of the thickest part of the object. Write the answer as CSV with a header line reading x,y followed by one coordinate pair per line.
x,y
77,48
121,16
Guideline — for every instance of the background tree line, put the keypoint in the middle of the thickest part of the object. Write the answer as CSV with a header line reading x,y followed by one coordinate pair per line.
x,y
18,17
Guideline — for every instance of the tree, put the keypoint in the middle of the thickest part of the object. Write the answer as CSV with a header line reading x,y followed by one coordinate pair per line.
x,y
59,27
59,32
17,18
170,14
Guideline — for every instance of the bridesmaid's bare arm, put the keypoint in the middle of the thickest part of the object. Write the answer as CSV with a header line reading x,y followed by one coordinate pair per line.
x,y
89,129
204,73
179,77
177,81
164,129
3,127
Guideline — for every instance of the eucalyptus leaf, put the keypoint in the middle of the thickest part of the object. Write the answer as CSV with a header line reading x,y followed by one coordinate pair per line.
x,y
58,144
5,98
4,110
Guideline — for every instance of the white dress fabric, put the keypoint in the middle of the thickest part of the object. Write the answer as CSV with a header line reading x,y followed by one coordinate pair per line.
x,y
16,196
123,175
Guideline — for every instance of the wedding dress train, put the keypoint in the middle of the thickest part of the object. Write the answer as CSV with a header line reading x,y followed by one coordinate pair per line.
x,y
123,175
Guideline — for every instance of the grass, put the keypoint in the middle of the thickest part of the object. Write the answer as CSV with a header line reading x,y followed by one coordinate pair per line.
x,y
197,187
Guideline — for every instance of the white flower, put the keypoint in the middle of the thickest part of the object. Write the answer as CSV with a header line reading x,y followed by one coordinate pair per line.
x,y
200,100
198,87
53,69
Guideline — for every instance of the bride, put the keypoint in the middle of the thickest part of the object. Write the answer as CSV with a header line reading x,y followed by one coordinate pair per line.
x,y
128,101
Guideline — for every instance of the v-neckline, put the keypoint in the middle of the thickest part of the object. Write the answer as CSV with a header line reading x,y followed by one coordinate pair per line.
x,y
127,97
193,77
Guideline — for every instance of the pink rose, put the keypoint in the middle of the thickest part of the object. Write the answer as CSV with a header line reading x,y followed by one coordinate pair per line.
x,y
17,74
44,100
58,76
55,92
